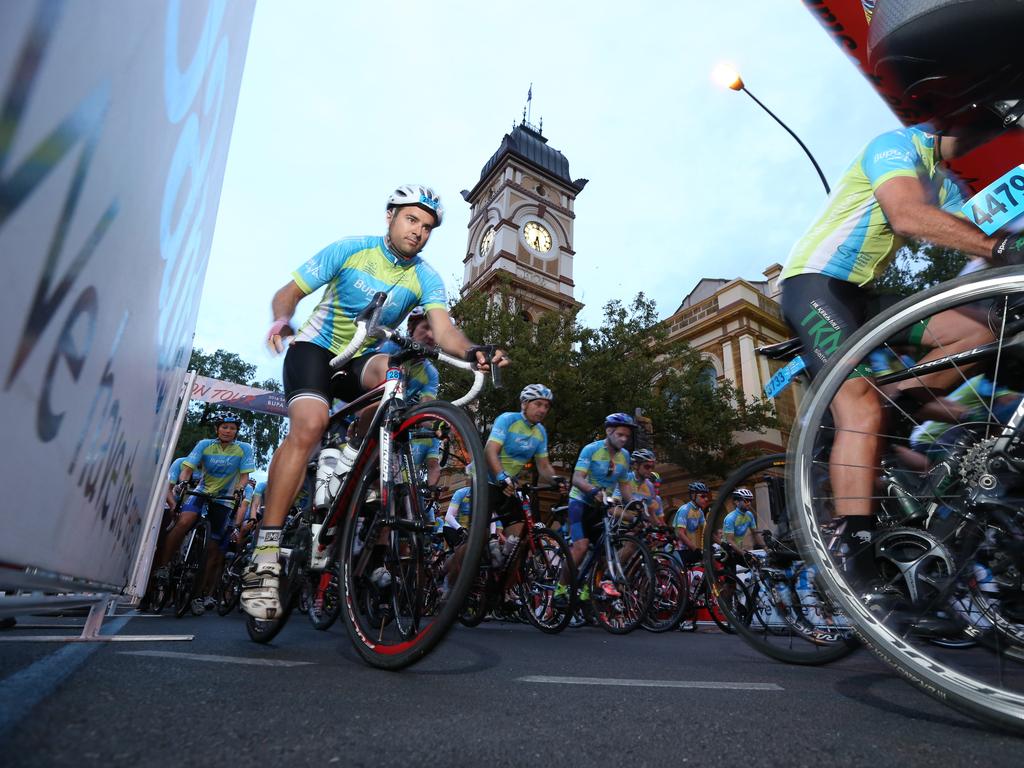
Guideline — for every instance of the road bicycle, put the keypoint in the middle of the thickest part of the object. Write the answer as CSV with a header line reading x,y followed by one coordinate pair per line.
x,y
533,579
786,616
615,580
378,528
187,566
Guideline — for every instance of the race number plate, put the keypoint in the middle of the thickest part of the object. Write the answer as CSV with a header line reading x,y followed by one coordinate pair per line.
x,y
999,203
784,377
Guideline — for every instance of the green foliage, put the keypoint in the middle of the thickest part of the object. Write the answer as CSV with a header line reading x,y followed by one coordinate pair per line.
x,y
918,266
625,364
263,431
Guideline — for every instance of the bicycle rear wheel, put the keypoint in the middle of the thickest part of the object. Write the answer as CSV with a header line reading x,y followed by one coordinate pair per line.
x,y
671,595
786,618
391,626
945,533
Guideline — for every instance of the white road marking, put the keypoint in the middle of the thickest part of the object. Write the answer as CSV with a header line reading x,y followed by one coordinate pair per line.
x,y
217,659
712,685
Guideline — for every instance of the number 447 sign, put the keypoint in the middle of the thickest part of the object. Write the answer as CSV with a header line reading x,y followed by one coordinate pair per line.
x,y
999,203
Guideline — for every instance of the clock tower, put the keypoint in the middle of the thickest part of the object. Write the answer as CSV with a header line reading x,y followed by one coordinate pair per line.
x,y
521,223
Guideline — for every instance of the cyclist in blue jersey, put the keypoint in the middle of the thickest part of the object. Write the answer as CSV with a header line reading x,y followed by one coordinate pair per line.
x,y
895,190
741,521
352,270
225,463
601,466
642,480
516,439
689,522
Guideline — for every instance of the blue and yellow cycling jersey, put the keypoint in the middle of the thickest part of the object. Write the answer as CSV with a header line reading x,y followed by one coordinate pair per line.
x,y
852,239
354,269
520,442
174,473
221,465
738,522
422,381
690,517
644,489
461,505
600,469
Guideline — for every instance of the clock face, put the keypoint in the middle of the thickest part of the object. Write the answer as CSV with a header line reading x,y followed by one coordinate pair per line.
x,y
487,243
538,238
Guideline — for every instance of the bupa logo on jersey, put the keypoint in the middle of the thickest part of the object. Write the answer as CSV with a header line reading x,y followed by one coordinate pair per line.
x,y
892,154
218,466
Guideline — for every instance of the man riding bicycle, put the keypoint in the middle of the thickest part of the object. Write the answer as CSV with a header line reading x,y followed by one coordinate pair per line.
x,y
353,269
225,463
689,522
601,466
644,486
517,438
894,190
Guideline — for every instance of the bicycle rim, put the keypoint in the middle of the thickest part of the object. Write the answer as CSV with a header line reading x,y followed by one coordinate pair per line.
x,y
670,592
933,537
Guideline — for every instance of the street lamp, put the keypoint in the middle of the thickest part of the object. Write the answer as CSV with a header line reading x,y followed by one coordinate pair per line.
x,y
727,77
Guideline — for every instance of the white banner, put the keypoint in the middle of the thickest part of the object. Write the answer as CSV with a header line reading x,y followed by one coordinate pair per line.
x,y
207,390
116,121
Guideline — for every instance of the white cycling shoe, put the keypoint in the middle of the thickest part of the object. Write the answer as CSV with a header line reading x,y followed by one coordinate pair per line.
x,y
261,596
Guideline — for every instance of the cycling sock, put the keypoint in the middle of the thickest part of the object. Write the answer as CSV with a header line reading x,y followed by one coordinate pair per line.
x,y
268,545
860,556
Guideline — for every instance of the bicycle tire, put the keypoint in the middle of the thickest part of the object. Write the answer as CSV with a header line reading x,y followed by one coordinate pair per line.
x,y
549,565
956,679
772,626
190,573
229,588
622,615
461,448
670,598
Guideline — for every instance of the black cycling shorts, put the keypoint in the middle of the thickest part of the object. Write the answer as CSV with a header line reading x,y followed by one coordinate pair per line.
x,y
307,373
824,312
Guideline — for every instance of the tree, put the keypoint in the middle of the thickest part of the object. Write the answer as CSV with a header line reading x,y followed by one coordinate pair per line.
x,y
263,431
624,364
918,266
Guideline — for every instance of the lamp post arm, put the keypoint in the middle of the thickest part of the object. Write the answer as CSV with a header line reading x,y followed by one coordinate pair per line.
x,y
797,138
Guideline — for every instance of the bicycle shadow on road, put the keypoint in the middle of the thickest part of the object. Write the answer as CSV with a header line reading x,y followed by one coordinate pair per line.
x,y
859,688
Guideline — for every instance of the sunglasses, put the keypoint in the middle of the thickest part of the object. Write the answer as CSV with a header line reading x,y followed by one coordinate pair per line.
x,y
647,466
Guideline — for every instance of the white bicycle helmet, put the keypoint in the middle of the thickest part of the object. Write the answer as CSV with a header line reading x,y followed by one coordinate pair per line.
x,y
743,493
641,455
535,392
420,196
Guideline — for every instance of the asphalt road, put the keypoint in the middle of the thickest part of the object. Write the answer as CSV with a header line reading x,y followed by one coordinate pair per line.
x,y
500,694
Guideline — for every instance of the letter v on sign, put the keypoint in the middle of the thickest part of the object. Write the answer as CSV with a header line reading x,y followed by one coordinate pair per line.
x,y
83,125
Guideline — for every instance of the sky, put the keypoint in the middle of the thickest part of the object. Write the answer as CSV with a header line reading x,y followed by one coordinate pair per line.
x,y
342,101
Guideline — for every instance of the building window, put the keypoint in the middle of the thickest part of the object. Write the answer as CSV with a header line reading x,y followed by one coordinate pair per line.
x,y
709,377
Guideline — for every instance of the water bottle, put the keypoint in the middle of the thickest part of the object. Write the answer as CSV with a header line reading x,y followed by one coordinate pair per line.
x,y
328,481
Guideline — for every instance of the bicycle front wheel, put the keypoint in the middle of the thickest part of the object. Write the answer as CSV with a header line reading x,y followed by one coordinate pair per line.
x,y
390,609
547,574
621,592
787,618
943,552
